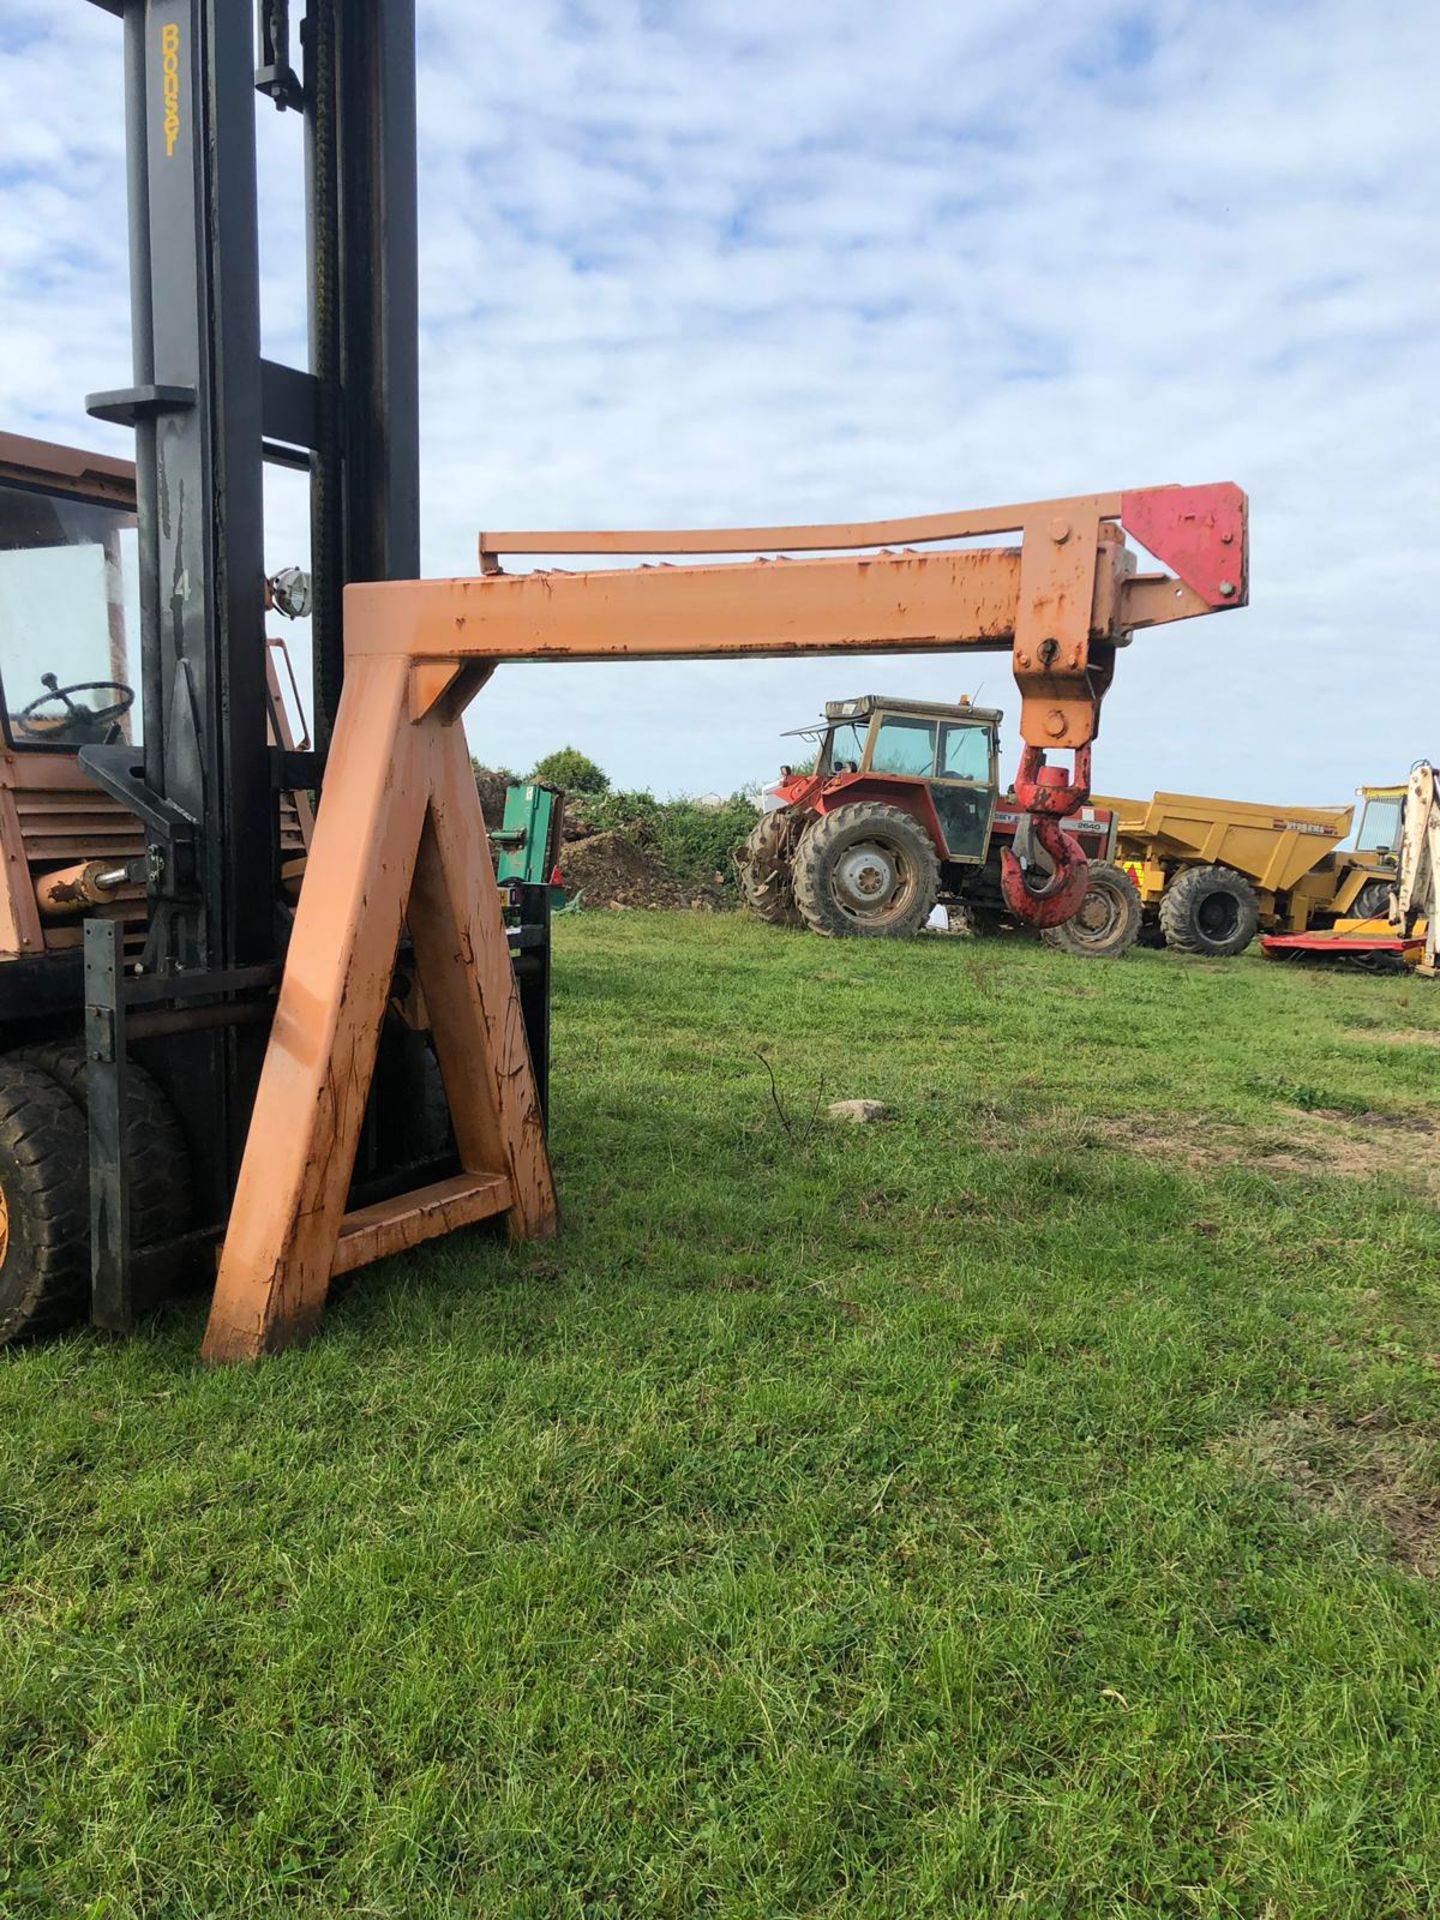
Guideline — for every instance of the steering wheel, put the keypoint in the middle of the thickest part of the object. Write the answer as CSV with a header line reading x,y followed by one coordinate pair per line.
x,y
95,724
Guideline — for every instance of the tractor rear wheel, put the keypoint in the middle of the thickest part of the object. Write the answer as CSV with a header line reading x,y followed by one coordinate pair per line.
x,y
155,1145
1210,911
1107,923
44,1204
764,868
866,871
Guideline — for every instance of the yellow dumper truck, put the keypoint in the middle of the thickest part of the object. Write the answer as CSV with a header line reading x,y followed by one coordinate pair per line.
x,y
1213,873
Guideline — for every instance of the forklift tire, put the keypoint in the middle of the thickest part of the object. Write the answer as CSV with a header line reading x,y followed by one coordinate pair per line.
x,y
763,868
866,871
159,1159
1211,911
44,1205
1107,923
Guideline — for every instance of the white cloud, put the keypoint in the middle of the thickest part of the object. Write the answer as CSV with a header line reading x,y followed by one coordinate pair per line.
x,y
700,262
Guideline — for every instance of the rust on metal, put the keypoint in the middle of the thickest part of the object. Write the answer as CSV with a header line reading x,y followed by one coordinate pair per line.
x,y
86,476
1046,797
88,883
918,530
51,816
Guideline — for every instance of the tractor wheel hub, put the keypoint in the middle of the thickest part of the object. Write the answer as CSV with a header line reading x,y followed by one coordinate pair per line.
x,y
1097,912
865,875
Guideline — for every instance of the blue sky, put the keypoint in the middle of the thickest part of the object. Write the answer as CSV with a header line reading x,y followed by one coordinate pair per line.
x,y
692,263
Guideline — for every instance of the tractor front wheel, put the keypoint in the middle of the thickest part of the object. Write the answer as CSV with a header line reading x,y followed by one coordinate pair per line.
x,y
865,871
44,1205
1107,923
763,867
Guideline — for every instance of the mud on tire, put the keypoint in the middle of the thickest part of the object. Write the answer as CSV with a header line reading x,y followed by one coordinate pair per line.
x,y
1211,911
1108,922
763,867
867,871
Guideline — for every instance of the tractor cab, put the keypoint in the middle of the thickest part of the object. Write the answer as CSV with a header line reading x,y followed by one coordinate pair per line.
x,y
949,756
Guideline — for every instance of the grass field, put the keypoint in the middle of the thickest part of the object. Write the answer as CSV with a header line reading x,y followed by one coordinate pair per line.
x,y
1027,1505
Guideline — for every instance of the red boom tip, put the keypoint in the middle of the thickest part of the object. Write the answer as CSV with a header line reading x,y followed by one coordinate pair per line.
x,y
1200,533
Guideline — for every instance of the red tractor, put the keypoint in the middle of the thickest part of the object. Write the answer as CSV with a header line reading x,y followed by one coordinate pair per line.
x,y
903,811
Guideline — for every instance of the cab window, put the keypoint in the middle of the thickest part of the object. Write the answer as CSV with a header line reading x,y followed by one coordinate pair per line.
x,y
845,747
1379,829
905,746
964,753
69,614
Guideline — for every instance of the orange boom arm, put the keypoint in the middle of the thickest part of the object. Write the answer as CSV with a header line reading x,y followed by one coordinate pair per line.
x,y
400,839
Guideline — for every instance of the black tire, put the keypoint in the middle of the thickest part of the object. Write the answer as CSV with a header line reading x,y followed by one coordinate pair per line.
x,y
1211,911
44,1205
1373,900
159,1159
866,871
1108,921
763,868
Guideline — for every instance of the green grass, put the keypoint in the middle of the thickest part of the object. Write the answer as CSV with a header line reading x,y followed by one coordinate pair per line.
x,y
889,1520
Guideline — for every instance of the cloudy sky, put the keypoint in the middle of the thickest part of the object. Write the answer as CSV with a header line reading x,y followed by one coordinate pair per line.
x,y
690,262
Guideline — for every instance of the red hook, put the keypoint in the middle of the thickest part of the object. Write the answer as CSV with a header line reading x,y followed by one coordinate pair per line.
x,y
1045,797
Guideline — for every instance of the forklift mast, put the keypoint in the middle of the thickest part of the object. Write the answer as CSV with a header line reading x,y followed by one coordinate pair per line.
x,y
209,411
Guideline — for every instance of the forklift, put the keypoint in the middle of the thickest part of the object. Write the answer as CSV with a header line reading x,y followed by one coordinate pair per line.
x,y
155,795
313,1077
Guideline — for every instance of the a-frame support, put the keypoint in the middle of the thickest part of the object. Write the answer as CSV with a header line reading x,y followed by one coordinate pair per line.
x,y
399,839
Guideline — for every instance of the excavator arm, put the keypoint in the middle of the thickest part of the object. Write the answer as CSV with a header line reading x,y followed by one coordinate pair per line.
x,y
1417,894
399,841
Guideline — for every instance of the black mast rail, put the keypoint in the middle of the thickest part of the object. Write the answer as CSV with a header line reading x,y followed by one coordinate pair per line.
x,y
208,411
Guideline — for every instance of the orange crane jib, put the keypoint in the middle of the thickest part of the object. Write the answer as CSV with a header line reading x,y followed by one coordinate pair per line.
x,y
399,841
1063,669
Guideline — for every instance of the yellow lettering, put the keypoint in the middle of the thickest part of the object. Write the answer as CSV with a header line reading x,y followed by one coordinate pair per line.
x,y
170,85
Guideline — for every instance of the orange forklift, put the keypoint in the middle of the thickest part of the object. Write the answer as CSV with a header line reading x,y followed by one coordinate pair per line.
x,y
200,1059
154,784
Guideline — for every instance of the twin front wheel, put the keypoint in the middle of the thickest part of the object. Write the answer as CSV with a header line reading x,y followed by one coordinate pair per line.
x,y
865,871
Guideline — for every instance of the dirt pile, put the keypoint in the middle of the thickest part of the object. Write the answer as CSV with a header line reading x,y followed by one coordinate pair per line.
x,y
611,871
491,784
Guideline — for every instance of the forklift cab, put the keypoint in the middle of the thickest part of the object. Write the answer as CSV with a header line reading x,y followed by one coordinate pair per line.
x,y
69,599
954,750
